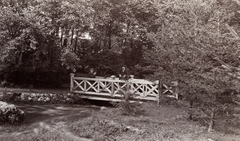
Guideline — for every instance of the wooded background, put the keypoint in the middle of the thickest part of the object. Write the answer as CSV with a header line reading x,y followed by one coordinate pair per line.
x,y
195,42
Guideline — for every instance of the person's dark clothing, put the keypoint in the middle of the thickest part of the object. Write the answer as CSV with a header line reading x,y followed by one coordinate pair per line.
x,y
91,74
124,74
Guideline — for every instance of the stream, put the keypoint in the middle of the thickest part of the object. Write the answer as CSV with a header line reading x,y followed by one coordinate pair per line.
x,y
49,115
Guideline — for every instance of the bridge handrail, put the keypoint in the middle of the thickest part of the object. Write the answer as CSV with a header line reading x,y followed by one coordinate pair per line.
x,y
110,86
142,81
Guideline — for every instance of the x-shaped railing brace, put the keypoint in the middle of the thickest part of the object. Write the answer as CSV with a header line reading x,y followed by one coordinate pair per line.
x,y
167,89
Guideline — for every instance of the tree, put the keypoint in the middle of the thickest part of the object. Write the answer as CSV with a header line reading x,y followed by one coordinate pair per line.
x,y
119,26
31,42
191,35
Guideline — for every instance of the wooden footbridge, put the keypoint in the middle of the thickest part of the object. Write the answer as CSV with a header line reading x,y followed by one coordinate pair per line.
x,y
111,89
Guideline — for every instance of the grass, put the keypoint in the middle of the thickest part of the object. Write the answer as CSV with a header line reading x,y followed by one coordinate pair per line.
x,y
165,123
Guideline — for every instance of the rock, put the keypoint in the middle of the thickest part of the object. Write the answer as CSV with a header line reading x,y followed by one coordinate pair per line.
x,y
16,96
47,99
38,95
8,96
40,99
33,95
10,113
134,129
1,96
23,97
103,108
35,98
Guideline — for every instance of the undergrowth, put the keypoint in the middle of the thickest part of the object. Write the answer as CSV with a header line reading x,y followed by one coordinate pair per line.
x,y
96,128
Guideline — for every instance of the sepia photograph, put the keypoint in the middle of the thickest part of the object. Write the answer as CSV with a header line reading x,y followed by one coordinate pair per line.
x,y
119,70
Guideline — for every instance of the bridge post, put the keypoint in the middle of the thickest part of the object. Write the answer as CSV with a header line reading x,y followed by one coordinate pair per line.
x,y
112,89
85,85
159,98
176,90
71,82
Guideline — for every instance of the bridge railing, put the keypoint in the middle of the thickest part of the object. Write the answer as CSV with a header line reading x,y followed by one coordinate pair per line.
x,y
110,88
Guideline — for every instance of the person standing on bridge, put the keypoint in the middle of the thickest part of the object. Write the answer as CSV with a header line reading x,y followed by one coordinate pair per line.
x,y
92,73
124,73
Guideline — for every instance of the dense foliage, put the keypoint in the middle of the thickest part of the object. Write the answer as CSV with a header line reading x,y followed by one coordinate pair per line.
x,y
197,44
44,37
194,42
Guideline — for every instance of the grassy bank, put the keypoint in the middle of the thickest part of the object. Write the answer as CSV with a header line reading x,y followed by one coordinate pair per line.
x,y
164,123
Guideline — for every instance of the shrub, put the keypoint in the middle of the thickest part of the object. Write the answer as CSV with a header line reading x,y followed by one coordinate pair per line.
x,y
9,113
102,129
125,105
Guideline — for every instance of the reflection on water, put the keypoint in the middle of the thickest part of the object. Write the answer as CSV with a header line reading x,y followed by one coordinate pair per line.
x,y
50,113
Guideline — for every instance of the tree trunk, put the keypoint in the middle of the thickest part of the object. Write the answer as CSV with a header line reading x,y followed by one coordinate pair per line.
x,y
72,35
190,111
212,118
61,39
20,58
110,35
76,41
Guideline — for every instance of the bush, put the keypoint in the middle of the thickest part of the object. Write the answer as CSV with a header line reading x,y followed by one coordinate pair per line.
x,y
126,107
9,113
102,129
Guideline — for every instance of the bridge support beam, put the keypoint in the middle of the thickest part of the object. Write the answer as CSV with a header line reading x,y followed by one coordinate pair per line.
x,y
71,82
